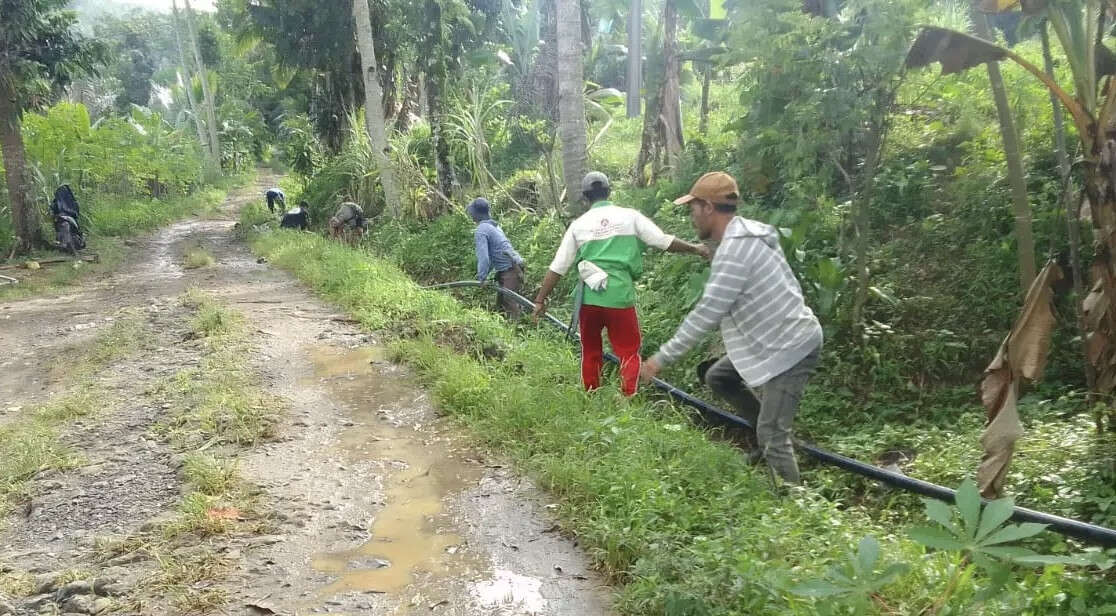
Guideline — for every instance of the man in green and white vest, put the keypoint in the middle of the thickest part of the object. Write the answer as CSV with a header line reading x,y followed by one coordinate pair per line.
x,y
606,243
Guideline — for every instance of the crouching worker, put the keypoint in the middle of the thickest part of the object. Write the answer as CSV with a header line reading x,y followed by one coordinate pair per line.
x,y
606,243
348,222
275,195
772,338
495,253
298,218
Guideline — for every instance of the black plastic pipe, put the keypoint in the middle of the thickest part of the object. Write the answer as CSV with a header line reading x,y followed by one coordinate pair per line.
x,y
1071,528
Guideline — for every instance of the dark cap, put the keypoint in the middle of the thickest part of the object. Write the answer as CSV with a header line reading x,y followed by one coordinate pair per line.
x,y
478,209
592,179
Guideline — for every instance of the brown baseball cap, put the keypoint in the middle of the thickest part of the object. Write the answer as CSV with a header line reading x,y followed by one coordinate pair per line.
x,y
715,187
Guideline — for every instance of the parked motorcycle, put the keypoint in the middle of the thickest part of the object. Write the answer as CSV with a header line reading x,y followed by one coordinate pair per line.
x,y
65,211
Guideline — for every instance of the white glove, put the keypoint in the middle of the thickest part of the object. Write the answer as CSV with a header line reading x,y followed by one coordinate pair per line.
x,y
593,276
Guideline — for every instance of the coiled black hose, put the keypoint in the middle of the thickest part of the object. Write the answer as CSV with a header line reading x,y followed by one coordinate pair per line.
x,y
1071,528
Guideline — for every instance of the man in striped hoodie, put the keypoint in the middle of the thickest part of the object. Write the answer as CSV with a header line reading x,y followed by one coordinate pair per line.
x,y
607,244
773,340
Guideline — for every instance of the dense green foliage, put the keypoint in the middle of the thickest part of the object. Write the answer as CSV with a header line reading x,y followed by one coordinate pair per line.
x,y
789,118
130,173
832,141
682,520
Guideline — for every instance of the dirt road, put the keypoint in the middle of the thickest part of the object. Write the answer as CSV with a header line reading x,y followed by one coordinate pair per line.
x,y
360,501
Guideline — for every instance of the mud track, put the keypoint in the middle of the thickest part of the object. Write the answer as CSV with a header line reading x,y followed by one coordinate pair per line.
x,y
375,505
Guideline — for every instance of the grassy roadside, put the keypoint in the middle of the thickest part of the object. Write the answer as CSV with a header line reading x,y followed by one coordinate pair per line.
x,y
681,521
219,408
31,444
109,224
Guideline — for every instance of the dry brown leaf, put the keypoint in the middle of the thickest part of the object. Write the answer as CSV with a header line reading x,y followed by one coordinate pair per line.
x,y
955,51
1022,355
223,513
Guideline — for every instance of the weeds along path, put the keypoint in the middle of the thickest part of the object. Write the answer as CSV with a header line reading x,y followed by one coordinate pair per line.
x,y
196,433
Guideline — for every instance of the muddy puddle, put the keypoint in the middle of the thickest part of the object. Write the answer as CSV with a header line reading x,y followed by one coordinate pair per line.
x,y
413,534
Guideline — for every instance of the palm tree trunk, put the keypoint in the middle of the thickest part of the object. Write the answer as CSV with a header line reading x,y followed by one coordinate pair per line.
x,y
407,103
25,216
648,139
1024,235
635,57
706,82
373,106
662,115
189,87
210,106
671,113
544,70
447,178
571,99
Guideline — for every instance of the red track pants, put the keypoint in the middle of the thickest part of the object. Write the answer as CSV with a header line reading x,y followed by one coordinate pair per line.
x,y
623,333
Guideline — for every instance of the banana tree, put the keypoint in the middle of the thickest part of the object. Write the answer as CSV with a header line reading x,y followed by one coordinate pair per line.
x,y
1091,104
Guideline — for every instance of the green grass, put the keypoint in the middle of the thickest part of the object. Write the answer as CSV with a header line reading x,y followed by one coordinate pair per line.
x,y
16,583
198,257
30,444
27,448
678,519
210,475
219,400
220,407
110,253
128,217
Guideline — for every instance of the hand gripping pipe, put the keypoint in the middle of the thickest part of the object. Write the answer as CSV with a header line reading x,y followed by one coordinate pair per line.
x,y
1077,529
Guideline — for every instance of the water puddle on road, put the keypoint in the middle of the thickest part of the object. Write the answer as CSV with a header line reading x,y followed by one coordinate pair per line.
x,y
411,534
509,589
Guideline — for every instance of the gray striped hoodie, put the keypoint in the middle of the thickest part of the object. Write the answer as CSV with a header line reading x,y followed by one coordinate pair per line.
x,y
754,297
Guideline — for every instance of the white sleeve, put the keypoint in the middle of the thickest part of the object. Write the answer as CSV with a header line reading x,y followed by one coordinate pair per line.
x,y
651,234
566,255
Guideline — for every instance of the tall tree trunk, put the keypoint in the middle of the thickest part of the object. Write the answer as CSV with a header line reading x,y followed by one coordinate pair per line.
x,y
373,106
544,71
391,87
571,99
706,77
199,125
635,57
861,223
878,128
203,74
1024,234
706,82
671,114
648,140
1073,229
447,178
662,116
407,103
25,216
423,104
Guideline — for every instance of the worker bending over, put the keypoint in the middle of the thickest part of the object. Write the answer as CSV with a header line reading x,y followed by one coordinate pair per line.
x,y
606,243
275,195
495,253
773,340
348,222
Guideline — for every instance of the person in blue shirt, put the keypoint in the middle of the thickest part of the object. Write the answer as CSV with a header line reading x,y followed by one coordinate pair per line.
x,y
495,253
275,195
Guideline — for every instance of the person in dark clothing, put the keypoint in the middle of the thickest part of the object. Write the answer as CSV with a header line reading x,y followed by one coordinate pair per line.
x,y
495,253
275,195
65,211
298,218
